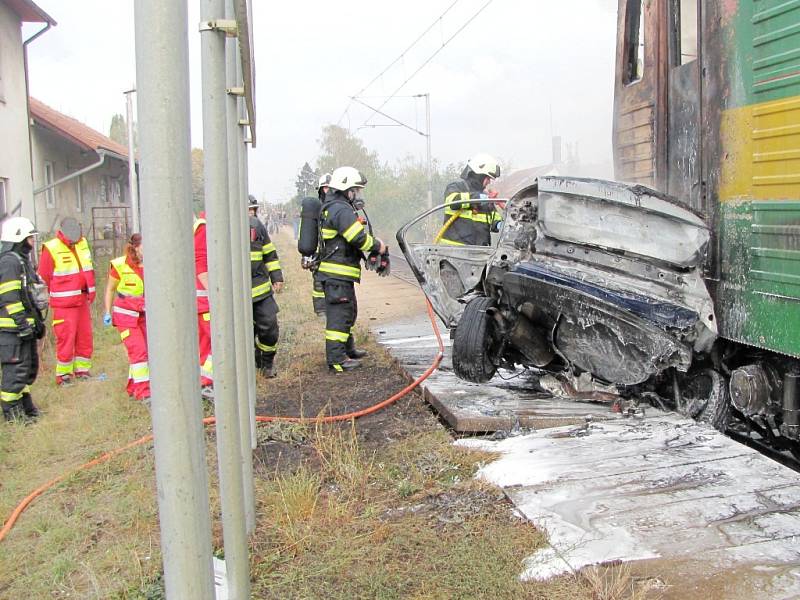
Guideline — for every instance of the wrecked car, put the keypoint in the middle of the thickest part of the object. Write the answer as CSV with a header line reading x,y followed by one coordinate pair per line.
x,y
586,277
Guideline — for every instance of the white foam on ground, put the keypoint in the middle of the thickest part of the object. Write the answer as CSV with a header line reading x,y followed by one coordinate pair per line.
x,y
639,489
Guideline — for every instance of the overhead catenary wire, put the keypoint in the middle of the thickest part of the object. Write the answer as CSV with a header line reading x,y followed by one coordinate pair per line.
x,y
398,59
429,59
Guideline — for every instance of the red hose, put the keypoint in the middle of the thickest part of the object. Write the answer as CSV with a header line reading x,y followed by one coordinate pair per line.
x,y
212,420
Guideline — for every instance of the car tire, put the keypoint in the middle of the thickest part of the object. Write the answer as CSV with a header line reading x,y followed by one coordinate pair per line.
x,y
473,342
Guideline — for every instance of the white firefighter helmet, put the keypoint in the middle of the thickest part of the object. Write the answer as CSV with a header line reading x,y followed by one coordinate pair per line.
x,y
252,202
17,229
323,181
484,164
344,178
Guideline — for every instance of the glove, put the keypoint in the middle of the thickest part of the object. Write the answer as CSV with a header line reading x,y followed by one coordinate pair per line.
x,y
26,333
40,330
107,319
372,262
384,267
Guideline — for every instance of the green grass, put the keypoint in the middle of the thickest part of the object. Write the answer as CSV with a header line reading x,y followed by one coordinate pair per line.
x,y
405,519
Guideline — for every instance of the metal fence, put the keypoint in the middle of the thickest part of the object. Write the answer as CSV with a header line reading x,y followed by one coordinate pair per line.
x,y
110,230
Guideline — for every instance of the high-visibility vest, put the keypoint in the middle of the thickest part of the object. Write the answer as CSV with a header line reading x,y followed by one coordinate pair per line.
x,y
129,303
73,272
202,293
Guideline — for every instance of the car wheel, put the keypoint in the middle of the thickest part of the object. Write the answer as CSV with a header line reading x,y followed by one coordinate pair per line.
x,y
473,342
706,396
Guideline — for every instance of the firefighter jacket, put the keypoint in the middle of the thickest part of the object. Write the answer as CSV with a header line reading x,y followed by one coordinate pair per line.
x,y
472,224
129,302
265,269
200,262
67,269
344,240
17,311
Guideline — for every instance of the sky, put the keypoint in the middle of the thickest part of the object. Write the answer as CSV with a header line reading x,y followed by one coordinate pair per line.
x,y
520,72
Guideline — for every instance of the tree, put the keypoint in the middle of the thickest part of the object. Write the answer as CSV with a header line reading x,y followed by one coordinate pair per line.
x,y
306,181
340,148
118,130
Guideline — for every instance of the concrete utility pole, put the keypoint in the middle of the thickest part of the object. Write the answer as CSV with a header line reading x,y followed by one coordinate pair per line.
x,y
162,70
244,178
237,206
132,179
213,31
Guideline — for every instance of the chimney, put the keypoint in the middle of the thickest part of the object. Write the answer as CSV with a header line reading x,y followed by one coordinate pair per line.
x,y
557,150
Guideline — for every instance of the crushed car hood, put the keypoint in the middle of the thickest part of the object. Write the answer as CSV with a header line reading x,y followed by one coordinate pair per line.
x,y
625,218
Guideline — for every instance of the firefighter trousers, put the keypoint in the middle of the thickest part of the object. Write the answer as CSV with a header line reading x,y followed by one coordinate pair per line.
x,y
206,360
265,328
135,340
20,365
318,294
73,330
341,309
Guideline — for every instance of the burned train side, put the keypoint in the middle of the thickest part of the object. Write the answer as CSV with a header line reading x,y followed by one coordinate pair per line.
x,y
707,110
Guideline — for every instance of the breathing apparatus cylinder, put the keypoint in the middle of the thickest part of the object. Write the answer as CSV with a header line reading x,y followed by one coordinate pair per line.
x,y
308,239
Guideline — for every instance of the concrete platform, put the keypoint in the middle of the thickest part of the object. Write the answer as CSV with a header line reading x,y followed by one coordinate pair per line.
x,y
467,407
698,509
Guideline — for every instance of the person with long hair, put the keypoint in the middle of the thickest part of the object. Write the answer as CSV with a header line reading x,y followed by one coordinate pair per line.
x,y
126,288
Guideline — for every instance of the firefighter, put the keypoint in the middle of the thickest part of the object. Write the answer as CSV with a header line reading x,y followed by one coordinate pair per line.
x,y
267,277
203,314
344,242
126,288
66,267
21,322
471,224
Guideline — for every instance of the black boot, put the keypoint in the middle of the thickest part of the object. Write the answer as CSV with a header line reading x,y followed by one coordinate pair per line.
x,y
356,353
346,365
29,407
14,411
268,366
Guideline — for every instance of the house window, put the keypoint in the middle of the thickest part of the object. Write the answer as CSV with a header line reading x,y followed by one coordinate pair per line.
x,y
115,195
634,42
3,196
685,18
48,180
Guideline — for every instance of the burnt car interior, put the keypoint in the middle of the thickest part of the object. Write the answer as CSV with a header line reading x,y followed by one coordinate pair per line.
x,y
586,277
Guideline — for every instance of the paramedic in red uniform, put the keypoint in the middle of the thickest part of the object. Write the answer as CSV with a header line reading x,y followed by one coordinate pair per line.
x,y
66,267
126,282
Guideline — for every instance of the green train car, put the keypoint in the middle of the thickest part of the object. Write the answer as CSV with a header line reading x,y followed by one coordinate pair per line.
x,y
707,110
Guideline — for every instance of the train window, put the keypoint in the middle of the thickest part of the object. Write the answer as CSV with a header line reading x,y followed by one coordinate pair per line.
x,y
685,15
634,41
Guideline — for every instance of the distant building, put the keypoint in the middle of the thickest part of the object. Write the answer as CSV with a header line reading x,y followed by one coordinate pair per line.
x,y
78,172
16,187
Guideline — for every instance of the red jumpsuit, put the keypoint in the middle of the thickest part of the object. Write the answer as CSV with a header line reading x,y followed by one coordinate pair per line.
x,y
66,267
203,314
128,317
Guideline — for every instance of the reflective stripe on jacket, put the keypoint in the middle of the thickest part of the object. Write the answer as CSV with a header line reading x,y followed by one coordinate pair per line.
x,y
344,240
129,303
73,273
201,263
474,222
265,267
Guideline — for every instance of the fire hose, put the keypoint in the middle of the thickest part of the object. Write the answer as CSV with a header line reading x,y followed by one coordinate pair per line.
x,y
208,421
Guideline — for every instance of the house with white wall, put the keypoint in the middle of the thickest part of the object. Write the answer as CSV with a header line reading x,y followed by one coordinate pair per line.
x,y
78,172
16,179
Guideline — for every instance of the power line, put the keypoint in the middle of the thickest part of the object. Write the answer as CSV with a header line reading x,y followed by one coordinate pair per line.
x,y
398,59
430,58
